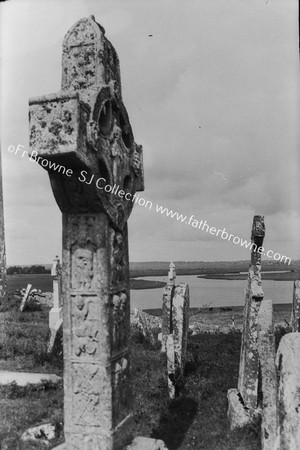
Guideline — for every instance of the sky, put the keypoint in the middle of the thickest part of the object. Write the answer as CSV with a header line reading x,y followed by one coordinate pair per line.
x,y
212,92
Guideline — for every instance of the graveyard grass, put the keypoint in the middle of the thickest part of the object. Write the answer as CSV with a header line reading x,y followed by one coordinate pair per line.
x,y
196,420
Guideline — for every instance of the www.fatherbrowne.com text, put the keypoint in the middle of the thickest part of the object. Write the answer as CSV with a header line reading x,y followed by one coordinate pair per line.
x,y
102,184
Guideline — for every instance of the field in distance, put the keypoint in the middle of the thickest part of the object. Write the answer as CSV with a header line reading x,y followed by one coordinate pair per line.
x,y
216,269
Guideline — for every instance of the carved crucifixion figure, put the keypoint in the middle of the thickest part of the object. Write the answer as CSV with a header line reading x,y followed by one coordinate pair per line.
x,y
83,138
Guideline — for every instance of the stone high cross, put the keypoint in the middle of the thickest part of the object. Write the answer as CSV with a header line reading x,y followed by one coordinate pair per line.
x,y
83,137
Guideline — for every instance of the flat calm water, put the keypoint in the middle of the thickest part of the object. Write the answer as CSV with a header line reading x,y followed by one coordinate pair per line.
x,y
213,293
203,292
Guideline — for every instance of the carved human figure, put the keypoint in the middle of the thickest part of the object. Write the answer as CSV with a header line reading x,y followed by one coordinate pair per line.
x,y
85,330
118,258
119,311
93,135
83,268
116,151
136,162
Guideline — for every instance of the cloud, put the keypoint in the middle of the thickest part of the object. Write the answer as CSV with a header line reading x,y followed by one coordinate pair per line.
x,y
212,95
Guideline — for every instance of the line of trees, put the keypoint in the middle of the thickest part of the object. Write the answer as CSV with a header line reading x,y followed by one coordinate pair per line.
x,y
16,270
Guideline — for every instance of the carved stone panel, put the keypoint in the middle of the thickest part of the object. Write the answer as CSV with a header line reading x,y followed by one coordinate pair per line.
x,y
119,321
118,259
88,386
85,326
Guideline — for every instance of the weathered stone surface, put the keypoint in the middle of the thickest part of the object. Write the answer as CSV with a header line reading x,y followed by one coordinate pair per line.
x,y
150,325
24,378
266,351
288,366
171,365
25,297
41,434
145,443
172,274
249,361
85,131
55,313
238,415
3,281
55,340
180,324
168,293
295,319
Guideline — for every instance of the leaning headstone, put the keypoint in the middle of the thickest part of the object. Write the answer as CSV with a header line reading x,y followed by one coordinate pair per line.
x,y
288,366
3,281
82,136
168,293
295,319
25,297
180,323
266,352
171,365
55,313
249,361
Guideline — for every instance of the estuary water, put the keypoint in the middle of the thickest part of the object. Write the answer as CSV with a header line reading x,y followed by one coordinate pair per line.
x,y
204,292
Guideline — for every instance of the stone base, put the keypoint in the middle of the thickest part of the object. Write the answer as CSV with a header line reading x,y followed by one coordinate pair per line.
x,y
145,443
139,443
238,415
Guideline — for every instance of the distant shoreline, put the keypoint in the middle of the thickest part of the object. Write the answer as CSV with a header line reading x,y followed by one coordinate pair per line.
x,y
280,276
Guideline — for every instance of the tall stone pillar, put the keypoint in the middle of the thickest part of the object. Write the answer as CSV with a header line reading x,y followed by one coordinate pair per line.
x,y
168,294
249,360
3,283
55,312
242,402
295,319
83,137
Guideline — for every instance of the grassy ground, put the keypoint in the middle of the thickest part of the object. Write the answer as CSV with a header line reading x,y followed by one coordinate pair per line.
x,y
23,347
196,420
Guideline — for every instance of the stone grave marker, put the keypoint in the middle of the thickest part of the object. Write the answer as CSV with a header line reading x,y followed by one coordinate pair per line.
x,y
171,365
249,361
25,297
288,367
266,352
295,319
176,343
180,322
168,293
55,312
242,402
83,138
